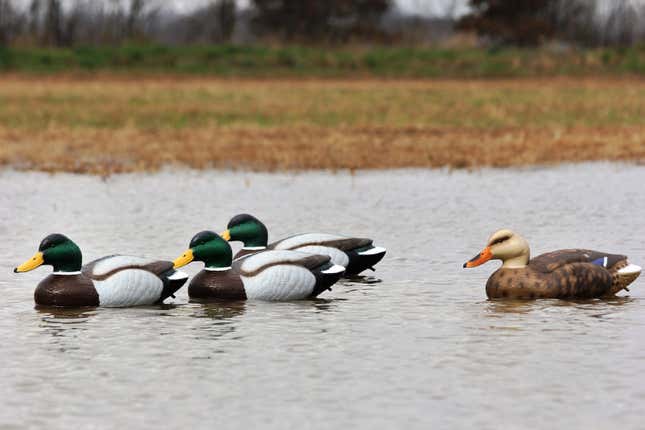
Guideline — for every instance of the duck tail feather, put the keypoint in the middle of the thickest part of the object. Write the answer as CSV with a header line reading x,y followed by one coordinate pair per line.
x,y
625,276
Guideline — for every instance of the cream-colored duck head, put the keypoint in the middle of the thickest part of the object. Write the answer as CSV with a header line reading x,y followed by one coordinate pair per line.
x,y
504,245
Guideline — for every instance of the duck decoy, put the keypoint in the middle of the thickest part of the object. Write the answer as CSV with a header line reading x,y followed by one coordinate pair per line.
x,y
568,273
268,275
354,254
112,281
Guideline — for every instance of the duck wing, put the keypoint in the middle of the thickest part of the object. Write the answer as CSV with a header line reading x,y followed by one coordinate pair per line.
x,y
253,264
281,275
321,239
590,271
104,267
552,261
123,280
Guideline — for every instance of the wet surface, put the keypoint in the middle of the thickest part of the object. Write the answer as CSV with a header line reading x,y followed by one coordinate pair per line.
x,y
422,348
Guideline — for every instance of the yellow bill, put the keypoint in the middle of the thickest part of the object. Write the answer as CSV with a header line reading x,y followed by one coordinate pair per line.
x,y
30,264
226,235
184,259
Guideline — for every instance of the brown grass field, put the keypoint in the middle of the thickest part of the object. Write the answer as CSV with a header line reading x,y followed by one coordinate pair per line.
x,y
108,124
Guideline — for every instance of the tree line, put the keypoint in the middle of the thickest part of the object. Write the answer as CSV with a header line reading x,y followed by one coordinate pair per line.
x,y
497,22
581,22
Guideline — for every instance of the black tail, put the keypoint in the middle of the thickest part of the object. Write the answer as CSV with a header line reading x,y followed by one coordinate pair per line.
x,y
326,276
363,258
173,280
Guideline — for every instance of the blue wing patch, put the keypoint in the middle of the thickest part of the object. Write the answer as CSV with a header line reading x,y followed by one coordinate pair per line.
x,y
601,262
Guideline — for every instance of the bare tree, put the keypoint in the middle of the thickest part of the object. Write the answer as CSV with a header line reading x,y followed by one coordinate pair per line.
x,y
314,20
134,16
35,11
592,23
53,31
225,11
517,22
10,22
621,24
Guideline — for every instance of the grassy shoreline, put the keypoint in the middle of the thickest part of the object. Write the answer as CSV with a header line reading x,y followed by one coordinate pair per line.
x,y
320,62
108,125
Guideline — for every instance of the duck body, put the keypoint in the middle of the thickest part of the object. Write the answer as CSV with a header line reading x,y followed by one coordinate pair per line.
x,y
268,275
354,254
217,284
573,273
74,290
113,281
564,274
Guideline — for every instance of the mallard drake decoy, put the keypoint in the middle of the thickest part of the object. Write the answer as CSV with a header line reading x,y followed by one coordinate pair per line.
x,y
568,273
354,254
113,281
267,275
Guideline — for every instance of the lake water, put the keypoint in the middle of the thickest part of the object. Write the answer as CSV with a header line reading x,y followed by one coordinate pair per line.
x,y
424,348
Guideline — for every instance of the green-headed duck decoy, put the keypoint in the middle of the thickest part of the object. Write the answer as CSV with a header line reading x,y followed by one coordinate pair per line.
x,y
568,273
113,281
267,275
354,254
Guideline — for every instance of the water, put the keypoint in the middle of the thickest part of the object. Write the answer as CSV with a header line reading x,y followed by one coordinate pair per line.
x,y
422,348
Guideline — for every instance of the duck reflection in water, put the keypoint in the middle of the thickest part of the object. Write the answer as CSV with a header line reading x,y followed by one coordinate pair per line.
x,y
496,307
219,309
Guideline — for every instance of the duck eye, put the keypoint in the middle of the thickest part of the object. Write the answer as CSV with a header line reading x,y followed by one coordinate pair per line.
x,y
500,240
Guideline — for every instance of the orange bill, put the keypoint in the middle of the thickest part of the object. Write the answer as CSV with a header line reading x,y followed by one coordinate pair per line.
x,y
480,258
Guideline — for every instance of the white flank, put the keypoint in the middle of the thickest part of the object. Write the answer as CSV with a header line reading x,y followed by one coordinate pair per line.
x,y
129,287
337,256
178,275
255,262
373,251
303,239
630,269
109,264
281,282
336,268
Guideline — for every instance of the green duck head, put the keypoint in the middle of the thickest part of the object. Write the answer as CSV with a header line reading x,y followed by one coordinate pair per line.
x,y
247,229
55,250
209,247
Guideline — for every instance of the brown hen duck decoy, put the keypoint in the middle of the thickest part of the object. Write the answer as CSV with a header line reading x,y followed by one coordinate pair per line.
x,y
568,273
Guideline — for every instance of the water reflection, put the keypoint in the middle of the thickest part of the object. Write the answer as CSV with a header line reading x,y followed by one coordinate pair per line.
x,y
221,310
498,307
219,318
361,280
63,324
599,307
325,305
65,315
